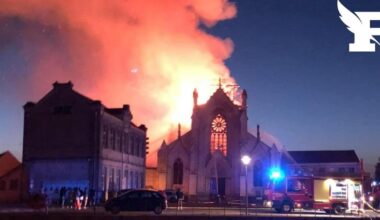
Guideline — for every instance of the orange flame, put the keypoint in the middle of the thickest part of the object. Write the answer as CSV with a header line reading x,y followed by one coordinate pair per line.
x,y
149,54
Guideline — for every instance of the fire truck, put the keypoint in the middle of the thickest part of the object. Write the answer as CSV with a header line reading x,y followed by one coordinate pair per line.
x,y
285,194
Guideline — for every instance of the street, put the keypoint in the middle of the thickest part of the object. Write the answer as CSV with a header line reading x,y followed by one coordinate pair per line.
x,y
198,211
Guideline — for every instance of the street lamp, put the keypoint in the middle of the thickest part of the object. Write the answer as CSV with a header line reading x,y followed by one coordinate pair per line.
x,y
246,160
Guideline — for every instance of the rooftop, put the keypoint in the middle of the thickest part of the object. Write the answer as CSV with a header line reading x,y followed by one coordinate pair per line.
x,y
325,156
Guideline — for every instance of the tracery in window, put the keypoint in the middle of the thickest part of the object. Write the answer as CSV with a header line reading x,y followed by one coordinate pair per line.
x,y
218,137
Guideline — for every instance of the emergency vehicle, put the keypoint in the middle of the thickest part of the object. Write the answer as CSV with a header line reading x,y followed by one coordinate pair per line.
x,y
284,194
374,197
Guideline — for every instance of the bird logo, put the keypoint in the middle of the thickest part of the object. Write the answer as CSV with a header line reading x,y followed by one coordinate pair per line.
x,y
356,25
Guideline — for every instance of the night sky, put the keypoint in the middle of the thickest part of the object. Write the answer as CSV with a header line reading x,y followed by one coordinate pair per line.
x,y
304,87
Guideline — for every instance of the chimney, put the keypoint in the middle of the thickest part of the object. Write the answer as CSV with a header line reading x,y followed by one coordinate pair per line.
x,y
68,85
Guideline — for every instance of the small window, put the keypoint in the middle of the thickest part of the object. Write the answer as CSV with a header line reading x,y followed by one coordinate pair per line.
x,y
295,185
62,109
342,170
134,195
146,195
351,170
105,137
13,184
2,185
156,195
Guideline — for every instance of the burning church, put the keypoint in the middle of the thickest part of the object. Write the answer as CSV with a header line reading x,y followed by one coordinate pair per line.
x,y
206,160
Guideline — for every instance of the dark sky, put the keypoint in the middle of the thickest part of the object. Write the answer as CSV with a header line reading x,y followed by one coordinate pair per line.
x,y
292,56
304,86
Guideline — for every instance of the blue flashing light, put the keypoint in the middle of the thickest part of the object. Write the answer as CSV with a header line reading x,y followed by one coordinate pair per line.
x,y
276,174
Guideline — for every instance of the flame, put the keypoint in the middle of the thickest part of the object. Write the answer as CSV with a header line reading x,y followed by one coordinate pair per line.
x,y
149,54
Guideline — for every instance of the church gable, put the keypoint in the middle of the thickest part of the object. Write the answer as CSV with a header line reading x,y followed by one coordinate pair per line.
x,y
220,100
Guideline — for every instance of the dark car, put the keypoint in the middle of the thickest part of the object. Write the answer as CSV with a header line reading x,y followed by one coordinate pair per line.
x,y
123,191
137,200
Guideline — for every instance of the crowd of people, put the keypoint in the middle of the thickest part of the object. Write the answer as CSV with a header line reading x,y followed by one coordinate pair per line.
x,y
70,197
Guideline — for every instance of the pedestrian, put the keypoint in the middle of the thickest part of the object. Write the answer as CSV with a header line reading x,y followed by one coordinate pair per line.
x,y
77,198
179,195
85,198
91,196
45,198
73,197
62,196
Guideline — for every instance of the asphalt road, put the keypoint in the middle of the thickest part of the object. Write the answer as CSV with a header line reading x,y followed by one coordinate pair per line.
x,y
199,211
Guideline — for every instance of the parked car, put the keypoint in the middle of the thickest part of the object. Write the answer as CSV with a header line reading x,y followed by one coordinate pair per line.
x,y
137,200
122,191
171,195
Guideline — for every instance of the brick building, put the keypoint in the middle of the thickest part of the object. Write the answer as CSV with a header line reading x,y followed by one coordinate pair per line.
x,y
73,141
12,179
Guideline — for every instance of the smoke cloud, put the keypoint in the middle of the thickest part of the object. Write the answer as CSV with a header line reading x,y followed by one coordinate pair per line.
x,y
149,54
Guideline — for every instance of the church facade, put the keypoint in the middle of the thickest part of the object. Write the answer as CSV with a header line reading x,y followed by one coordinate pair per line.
x,y
206,161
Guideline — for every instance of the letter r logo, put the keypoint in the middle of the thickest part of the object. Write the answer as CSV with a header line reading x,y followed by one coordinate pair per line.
x,y
359,23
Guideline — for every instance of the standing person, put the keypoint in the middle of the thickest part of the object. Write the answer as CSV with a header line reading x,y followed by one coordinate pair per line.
x,y
73,197
62,196
85,198
91,196
77,198
179,199
45,198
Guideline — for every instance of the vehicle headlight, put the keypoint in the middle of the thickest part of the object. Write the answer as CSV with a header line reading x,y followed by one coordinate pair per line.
x,y
370,198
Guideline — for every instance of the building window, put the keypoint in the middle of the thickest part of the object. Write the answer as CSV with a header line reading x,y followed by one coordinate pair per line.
x,y
13,184
142,180
131,179
178,172
322,170
111,181
218,138
126,142
103,179
118,179
143,149
132,145
342,170
351,170
117,140
112,139
3,185
139,143
136,180
126,178
258,174
121,138
62,109
105,137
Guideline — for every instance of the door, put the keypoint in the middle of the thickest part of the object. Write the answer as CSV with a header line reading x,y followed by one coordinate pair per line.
x,y
147,201
222,186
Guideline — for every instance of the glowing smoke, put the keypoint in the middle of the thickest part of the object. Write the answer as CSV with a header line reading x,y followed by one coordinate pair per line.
x,y
149,54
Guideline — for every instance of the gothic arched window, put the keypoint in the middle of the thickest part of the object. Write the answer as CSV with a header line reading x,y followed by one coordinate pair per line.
x,y
178,172
258,174
218,139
